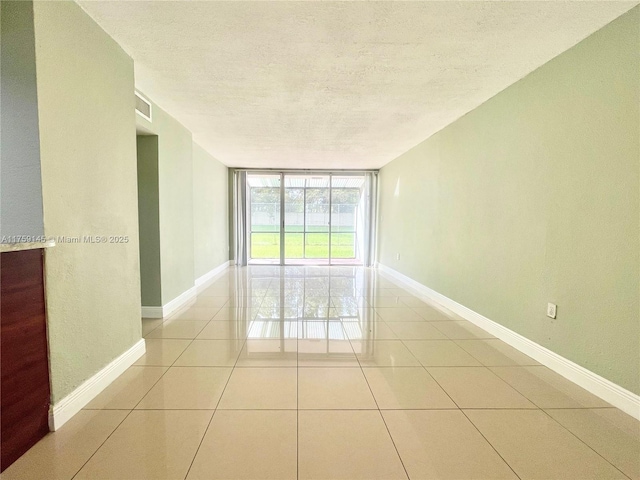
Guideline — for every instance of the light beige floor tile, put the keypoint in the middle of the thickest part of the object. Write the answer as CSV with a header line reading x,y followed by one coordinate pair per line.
x,y
414,302
224,330
211,301
326,353
210,353
461,330
218,291
546,388
269,353
443,445
349,303
610,432
150,324
494,352
321,329
440,353
368,331
392,286
333,388
537,447
261,389
385,301
244,302
149,445
236,314
434,315
401,314
248,444
127,390
187,388
406,387
274,329
195,313
347,311
59,455
162,352
178,329
310,312
277,313
346,445
416,331
383,353
477,387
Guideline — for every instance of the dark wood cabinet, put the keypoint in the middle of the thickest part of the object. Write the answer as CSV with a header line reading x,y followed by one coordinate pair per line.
x,y
24,365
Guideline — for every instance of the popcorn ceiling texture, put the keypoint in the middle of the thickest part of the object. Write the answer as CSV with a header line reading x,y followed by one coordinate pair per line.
x,y
335,84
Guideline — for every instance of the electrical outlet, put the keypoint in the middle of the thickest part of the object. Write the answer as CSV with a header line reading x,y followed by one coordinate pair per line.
x,y
397,256
551,310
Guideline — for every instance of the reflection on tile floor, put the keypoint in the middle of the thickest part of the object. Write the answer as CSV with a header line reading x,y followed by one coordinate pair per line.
x,y
332,373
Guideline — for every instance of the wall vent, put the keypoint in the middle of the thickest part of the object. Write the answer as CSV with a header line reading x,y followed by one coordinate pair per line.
x,y
143,107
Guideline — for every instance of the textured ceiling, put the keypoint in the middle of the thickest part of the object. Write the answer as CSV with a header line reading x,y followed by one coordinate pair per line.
x,y
335,84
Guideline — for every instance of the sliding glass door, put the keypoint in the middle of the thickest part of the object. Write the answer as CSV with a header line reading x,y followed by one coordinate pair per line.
x,y
307,203
308,219
263,199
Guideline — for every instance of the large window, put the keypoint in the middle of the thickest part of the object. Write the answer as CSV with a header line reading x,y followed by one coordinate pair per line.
x,y
264,218
307,219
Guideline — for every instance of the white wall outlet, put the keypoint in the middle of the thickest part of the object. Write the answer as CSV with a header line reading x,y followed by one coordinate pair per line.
x,y
397,256
551,310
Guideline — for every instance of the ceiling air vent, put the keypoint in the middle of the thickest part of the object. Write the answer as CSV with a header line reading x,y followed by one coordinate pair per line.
x,y
143,107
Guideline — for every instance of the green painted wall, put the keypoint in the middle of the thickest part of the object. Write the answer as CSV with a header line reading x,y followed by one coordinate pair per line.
x,y
533,198
20,182
210,212
149,220
88,160
175,203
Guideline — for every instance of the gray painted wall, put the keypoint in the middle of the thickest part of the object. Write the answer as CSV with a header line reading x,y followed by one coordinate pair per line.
x,y
20,184
149,220
533,198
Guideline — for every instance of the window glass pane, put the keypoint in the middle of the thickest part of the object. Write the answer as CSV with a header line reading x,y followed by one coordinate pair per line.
x,y
265,209
264,217
293,243
265,245
343,244
294,209
317,210
317,245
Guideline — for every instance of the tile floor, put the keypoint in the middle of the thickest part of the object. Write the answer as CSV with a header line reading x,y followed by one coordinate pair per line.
x,y
332,373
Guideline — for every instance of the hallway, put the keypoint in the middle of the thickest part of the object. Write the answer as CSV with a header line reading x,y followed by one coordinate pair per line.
x,y
327,373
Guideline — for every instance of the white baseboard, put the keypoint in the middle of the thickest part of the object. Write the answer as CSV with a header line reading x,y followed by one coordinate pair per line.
x,y
203,281
200,284
179,301
605,389
151,312
66,408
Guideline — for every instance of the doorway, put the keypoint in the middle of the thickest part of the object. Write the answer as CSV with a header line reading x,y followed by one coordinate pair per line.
x,y
302,218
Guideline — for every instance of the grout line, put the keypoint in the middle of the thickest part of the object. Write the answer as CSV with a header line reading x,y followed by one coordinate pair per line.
x,y
474,425
215,410
381,415
585,443
134,407
376,321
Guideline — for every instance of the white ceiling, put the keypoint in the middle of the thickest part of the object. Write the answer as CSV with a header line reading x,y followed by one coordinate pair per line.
x,y
318,84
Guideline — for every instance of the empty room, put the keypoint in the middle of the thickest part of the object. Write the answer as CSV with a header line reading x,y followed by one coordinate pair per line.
x,y
319,240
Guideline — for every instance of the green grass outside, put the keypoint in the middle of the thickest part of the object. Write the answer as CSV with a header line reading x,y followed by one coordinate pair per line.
x,y
267,245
